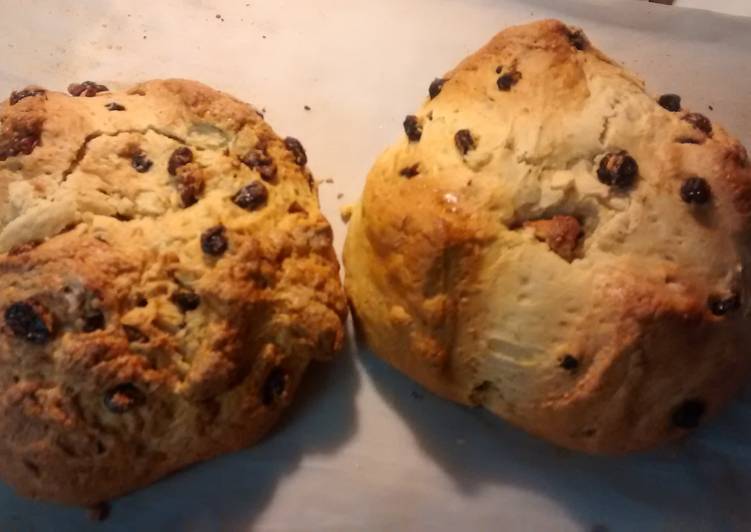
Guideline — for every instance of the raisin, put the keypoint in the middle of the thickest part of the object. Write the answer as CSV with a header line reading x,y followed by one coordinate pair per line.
x,y
273,388
577,38
123,397
671,102
26,320
410,171
187,300
93,320
251,197
618,170
141,163
114,106
569,363
700,122
688,414
213,241
86,88
258,159
508,80
720,306
412,128
464,141
298,152
696,190
180,157
17,96
436,87
134,334
190,187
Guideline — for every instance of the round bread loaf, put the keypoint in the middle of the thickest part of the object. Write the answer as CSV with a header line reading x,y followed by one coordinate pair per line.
x,y
166,277
550,242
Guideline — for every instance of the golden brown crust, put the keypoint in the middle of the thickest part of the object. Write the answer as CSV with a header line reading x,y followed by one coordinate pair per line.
x,y
132,345
622,329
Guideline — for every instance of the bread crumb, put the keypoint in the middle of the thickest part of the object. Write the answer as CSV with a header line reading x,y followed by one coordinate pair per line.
x,y
339,196
345,211
307,108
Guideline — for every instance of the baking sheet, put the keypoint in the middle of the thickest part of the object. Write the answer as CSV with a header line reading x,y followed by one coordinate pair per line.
x,y
364,448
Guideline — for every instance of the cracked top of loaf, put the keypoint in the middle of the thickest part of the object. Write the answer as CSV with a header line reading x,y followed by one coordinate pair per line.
x,y
165,278
552,242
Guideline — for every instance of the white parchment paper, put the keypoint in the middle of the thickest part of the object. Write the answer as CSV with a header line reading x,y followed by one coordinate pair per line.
x,y
364,448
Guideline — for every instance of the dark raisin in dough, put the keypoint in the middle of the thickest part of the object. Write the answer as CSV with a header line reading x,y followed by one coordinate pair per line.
x,y
508,80
273,388
123,398
464,141
187,300
17,96
569,363
436,87
114,106
258,159
134,334
251,197
25,320
618,170
141,163
577,39
298,152
696,190
410,171
700,122
180,157
214,242
720,306
671,102
412,128
87,88
689,413
93,320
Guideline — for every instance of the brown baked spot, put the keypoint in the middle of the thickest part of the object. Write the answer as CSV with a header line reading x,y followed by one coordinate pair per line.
x,y
23,248
274,386
180,157
298,152
30,321
410,171
561,233
213,241
464,141
17,96
259,160
86,88
123,398
618,169
412,128
508,80
700,122
689,140
114,106
436,87
688,414
251,197
295,208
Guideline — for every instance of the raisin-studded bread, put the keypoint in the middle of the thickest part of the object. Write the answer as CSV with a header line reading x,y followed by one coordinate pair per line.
x,y
549,241
165,278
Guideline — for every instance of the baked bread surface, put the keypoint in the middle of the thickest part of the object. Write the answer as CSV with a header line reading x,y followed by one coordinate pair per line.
x,y
551,242
165,278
